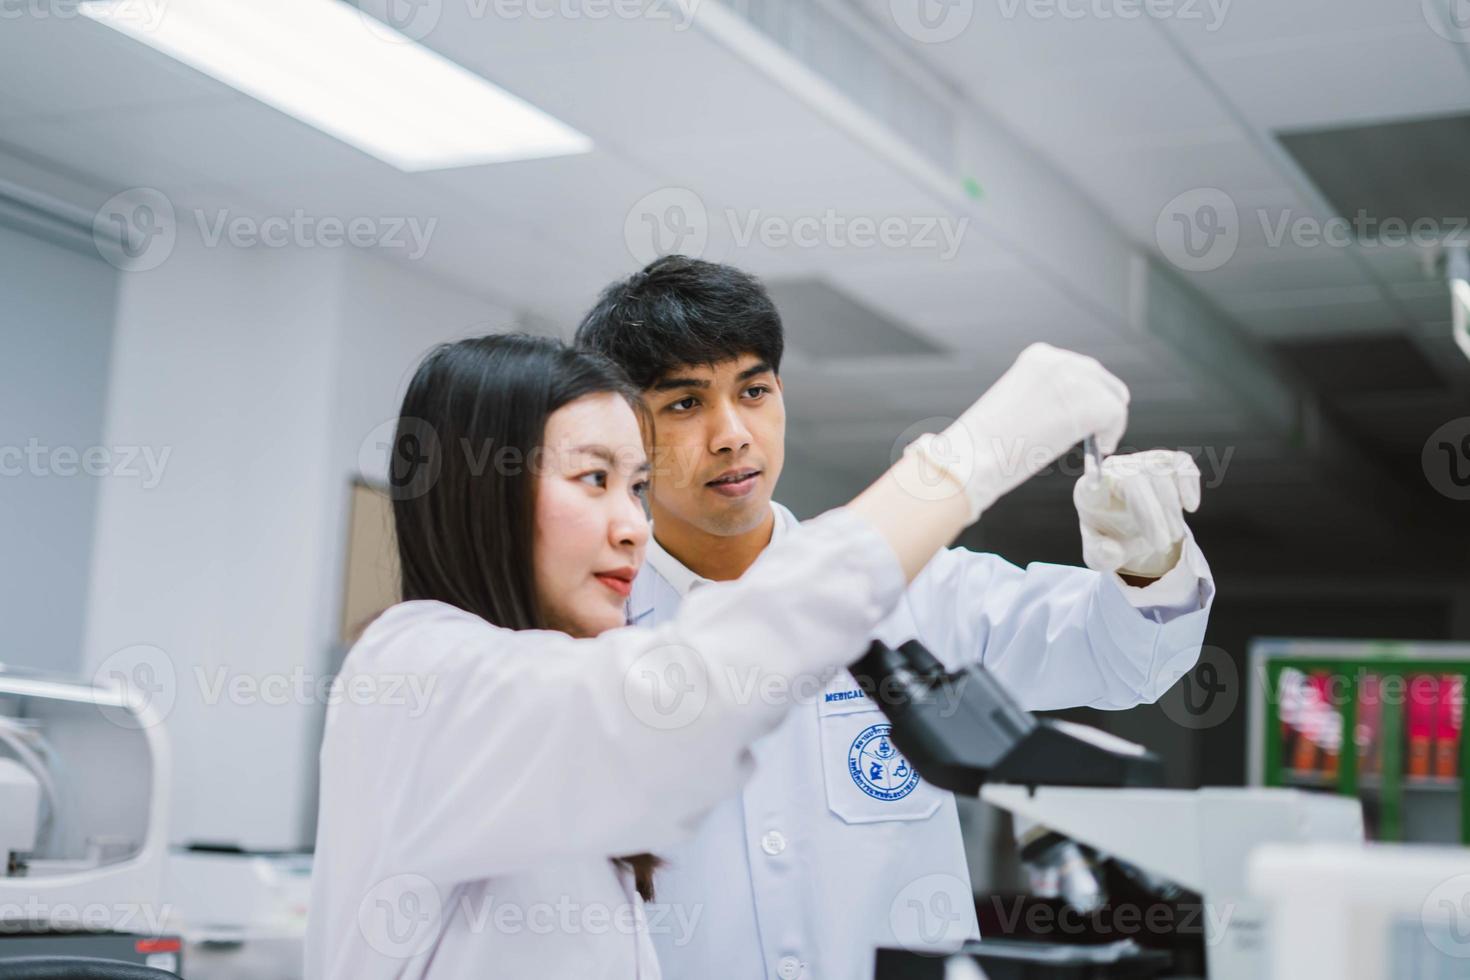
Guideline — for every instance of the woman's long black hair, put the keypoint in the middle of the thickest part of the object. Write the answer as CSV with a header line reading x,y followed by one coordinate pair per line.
x,y
463,466
462,476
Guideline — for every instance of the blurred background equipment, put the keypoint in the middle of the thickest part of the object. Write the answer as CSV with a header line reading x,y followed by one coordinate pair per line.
x,y
1404,704
77,968
1361,913
1457,270
242,916
84,791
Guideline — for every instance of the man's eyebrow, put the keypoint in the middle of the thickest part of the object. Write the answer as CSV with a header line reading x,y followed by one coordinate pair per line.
x,y
669,384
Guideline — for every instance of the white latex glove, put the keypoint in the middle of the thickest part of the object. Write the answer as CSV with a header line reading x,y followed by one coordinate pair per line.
x,y
1133,517
1045,403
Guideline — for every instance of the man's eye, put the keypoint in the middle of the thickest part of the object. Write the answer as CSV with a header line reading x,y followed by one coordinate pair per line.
x,y
757,391
597,478
684,404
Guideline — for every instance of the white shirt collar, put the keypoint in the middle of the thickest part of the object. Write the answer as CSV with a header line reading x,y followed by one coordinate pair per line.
x,y
681,578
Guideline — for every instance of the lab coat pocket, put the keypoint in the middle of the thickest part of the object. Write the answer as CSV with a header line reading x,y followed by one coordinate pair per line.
x,y
868,779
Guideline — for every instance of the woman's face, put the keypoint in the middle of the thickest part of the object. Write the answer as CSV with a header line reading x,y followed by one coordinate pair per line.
x,y
590,526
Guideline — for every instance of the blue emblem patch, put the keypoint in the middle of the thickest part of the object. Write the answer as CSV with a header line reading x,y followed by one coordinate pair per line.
x,y
877,766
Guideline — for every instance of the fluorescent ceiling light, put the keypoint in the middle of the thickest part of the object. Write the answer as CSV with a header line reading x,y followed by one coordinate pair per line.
x,y
365,84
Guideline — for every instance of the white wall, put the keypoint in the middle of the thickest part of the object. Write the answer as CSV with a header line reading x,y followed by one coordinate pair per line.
x,y
260,372
56,315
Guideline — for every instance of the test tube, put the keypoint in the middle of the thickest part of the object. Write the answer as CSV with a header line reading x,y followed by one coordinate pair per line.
x,y
1089,448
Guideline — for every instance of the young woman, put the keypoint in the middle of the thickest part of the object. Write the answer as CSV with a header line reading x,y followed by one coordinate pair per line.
x,y
500,823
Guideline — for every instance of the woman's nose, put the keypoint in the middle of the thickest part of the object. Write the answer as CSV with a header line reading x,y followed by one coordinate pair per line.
x,y
630,524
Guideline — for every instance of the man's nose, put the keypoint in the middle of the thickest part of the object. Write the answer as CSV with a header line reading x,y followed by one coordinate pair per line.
x,y
730,432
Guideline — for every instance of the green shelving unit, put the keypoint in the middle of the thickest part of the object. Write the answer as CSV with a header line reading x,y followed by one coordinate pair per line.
x,y
1331,675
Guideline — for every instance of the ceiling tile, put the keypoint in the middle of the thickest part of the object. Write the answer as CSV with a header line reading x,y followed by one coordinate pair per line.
x,y
1253,25
1413,72
63,66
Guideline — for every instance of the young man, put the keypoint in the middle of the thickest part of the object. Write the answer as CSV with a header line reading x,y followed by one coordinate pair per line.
x,y
823,858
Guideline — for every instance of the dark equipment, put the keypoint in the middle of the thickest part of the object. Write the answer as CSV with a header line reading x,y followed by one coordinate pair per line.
x,y
962,730
77,968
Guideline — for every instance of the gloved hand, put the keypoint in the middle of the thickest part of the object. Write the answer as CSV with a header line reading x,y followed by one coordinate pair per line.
x,y
1047,401
1133,515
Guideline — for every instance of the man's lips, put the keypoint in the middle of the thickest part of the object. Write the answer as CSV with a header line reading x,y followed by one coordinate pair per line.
x,y
620,580
734,483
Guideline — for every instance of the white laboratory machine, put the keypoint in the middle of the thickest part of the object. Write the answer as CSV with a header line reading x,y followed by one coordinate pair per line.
x,y
1378,912
964,733
84,795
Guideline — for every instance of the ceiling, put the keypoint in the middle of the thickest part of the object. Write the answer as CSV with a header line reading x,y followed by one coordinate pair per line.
x,y
1081,138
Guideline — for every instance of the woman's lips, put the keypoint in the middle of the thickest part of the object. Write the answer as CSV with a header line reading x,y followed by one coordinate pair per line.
x,y
622,586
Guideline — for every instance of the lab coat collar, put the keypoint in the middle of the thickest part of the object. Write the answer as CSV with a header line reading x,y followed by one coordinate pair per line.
x,y
674,572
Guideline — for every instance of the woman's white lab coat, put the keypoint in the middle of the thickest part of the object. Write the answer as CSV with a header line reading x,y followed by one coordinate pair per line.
x,y
467,830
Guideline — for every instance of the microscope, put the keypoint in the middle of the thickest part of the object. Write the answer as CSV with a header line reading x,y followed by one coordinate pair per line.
x,y
1086,798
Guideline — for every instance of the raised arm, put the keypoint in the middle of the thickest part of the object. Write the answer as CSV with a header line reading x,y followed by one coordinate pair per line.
x,y
531,746
534,746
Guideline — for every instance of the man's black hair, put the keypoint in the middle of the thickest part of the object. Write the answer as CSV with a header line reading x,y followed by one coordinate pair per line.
x,y
679,310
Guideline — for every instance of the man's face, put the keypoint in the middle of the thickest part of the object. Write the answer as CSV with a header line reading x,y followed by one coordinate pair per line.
x,y
719,440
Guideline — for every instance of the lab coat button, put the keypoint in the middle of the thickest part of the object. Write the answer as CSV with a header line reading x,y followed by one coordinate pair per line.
x,y
773,843
789,968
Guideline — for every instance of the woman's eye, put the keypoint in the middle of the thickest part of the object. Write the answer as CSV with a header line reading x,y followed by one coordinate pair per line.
x,y
640,489
597,478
